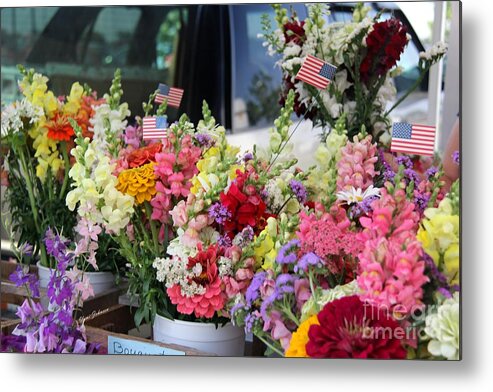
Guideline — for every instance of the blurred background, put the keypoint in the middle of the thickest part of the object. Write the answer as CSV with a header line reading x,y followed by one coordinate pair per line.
x,y
213,53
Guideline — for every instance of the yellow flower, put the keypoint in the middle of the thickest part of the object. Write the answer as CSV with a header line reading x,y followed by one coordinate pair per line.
x,y
139,182
265,252
72,105
299,339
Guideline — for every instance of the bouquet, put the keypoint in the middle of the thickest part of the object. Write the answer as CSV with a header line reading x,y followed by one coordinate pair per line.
x,y
365,52
37,136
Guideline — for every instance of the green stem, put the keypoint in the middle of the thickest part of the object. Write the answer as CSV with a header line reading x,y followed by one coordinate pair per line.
x,y
277,351
411,89
155,236
66,161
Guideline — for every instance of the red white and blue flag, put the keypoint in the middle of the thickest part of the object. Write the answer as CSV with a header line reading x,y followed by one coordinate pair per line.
x,y
172,94
316,72
413,139
154,127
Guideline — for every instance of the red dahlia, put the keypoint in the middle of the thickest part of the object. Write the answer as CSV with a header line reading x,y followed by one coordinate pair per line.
x,y
350,328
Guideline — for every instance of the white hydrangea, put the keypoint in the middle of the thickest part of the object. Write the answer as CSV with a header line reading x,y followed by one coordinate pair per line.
x,y
442,328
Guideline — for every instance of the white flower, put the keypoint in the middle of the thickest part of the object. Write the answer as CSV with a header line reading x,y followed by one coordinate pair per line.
x,y
292,50
443,329
435,52
353,195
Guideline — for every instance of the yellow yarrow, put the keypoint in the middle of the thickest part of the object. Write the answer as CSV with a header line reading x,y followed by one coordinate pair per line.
x,y
299,339
139,182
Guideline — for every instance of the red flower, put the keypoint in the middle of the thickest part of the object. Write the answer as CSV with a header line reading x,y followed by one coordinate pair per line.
x,y
351,329
144,155
59,128
245,206
385,44
294,32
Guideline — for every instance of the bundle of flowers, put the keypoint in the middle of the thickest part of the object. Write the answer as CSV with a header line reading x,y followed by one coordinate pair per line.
x,y
365,52
227,228
37,136
56,330
364,271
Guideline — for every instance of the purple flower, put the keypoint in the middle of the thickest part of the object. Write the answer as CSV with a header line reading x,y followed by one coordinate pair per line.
x,y
411,175
431,172
444,292
224,241
252,292
204,140
250,320
404,160
219,213
247,157
26,249
12,343
298,190
28,314
388,173
421,201
21,278
309,259
243,238
56,246
456,157
288,252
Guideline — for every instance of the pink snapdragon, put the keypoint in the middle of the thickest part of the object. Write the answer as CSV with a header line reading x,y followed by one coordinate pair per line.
x,y
356,168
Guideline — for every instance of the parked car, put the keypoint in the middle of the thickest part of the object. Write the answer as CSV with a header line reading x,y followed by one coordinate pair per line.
x,y
211,51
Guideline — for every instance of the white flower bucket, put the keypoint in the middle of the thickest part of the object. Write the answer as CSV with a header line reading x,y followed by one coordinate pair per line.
x,y
227,341
100,281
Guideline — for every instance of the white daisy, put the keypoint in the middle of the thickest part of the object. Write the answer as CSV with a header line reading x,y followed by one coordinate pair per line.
x,y
353,195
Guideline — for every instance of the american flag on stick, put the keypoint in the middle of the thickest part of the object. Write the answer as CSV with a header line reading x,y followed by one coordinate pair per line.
x,y
154,127
316,72
172,94
413,139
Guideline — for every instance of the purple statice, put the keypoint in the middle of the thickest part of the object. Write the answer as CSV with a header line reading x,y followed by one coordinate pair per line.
x,y
388,172
253,291
308,260
405,161
247,157
411,175
20,278
288,252
456,157
204,140
219,213
224,241
244,237
298,190
421,201
431,172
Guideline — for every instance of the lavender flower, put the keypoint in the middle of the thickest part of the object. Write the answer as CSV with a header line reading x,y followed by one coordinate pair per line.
x,y
421,202
411,175
56,246
247,157
287,253
388,172
224,241
250,320
444,292
299,190
252,292
219,213
26,249
21,278
456,157
204,140
309,259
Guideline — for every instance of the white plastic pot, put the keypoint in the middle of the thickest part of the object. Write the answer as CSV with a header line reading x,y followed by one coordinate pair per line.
x,y
227,341
100,281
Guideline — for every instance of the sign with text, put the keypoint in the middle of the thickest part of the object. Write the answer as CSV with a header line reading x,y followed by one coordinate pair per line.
x,y
120,346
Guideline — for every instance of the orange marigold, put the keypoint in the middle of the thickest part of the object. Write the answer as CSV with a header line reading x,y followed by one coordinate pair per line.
x,y
139,182
299,339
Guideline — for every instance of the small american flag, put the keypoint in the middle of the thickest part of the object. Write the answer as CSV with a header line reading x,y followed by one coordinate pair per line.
x,y
172,94
316,72
154,127
413,139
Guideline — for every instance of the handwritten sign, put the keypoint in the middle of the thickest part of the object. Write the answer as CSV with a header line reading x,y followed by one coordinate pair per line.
x,y
119,346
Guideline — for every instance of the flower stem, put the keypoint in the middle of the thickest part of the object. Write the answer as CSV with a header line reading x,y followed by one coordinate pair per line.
x,y
153,227
66,161
277,351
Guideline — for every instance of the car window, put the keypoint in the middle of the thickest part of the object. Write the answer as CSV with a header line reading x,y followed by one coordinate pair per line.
x,y
255,79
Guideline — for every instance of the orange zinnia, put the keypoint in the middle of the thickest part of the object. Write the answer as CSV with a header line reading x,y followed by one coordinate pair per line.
x,y
144,155
59,128
139,182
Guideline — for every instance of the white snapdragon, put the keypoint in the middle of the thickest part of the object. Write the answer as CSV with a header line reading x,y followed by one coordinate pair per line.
x,y
292,50
442,328
108,122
